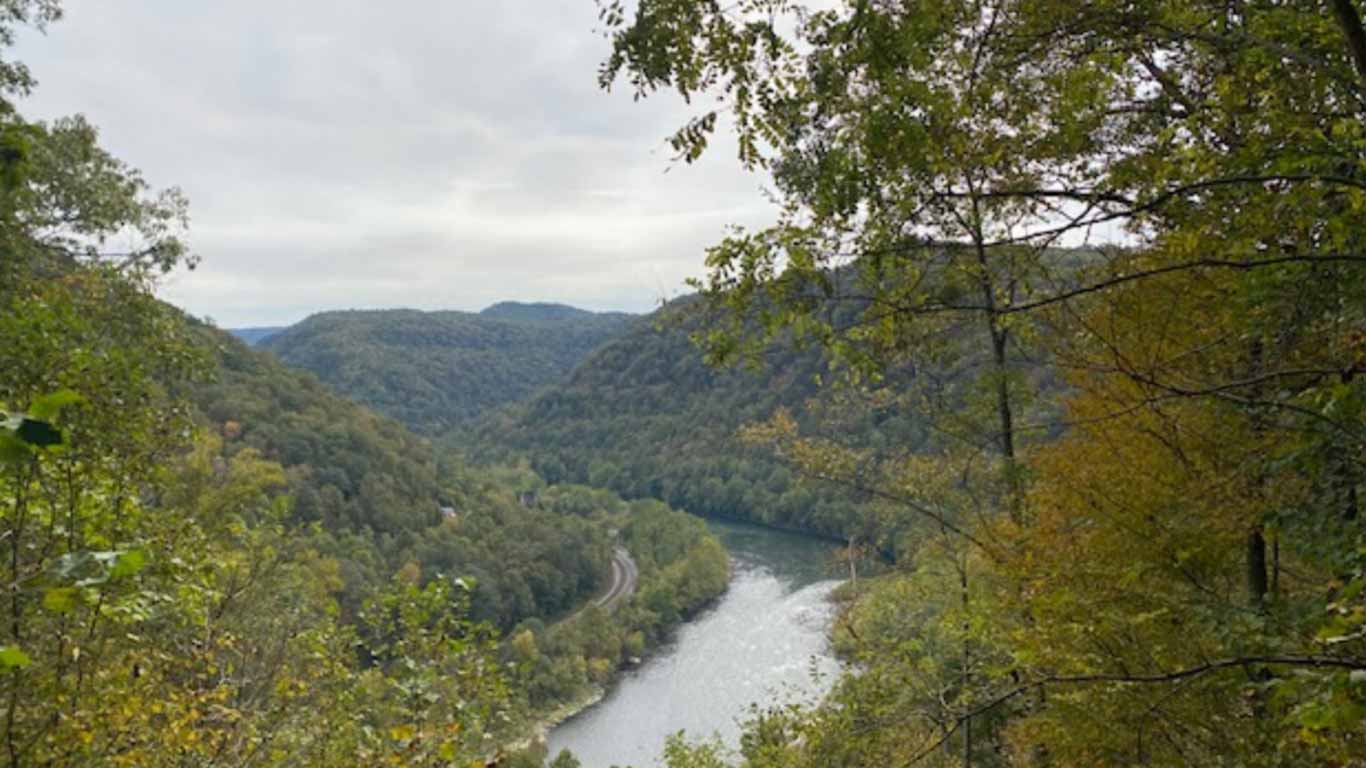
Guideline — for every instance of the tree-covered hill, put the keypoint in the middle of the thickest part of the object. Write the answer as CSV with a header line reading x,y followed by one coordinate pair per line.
x,y
547,313
383,496
646,416
438,370
178,490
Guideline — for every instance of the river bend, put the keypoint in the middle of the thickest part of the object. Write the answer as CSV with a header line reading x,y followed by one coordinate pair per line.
x,y
763,642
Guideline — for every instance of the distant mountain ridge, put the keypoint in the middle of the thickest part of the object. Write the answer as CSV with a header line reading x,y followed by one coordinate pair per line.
x,y
543,312
253,336
435,371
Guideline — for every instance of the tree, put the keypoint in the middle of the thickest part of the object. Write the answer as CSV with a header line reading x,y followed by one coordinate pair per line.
x,y
900,136
565,759
1206,163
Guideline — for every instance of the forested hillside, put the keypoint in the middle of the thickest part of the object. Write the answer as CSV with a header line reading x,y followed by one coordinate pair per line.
x,y
164,606
384,497
377,500
437,370
649,417
170,489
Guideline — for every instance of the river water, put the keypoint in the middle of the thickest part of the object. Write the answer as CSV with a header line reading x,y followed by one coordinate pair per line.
x,y
763,642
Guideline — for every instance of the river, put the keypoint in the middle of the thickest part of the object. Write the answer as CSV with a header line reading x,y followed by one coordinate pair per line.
x,y
764,641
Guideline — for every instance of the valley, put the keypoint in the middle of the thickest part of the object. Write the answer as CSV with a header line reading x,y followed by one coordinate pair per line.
x,y
764,637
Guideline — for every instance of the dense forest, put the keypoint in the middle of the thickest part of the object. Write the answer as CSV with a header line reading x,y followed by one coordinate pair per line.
x,y
437,370
631,407
382,497
648,417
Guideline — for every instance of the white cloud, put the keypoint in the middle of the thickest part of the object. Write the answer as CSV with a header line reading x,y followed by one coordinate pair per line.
x,y
437,154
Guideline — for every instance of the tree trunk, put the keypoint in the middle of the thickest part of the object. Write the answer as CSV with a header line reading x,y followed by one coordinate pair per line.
x,y
1257,585
1006,415
967,662
1276,567
1346,14
1344,478
1000,341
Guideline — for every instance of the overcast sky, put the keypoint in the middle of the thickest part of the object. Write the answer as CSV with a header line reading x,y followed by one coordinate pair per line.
x,y
439,154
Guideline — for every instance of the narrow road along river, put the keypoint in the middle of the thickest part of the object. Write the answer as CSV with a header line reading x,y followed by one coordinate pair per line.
x,y
764,641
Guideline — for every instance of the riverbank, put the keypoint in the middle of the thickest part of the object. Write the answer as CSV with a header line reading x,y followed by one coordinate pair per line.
x,y
536,734
806,533
594,694
667,568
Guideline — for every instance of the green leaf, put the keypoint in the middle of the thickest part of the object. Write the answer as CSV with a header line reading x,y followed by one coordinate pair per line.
x,y
60,600
12,657
46,408
39,433
12,449
128,564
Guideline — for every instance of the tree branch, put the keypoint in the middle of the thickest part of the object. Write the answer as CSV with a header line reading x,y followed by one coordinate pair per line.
x,y
1346,14
1159,678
